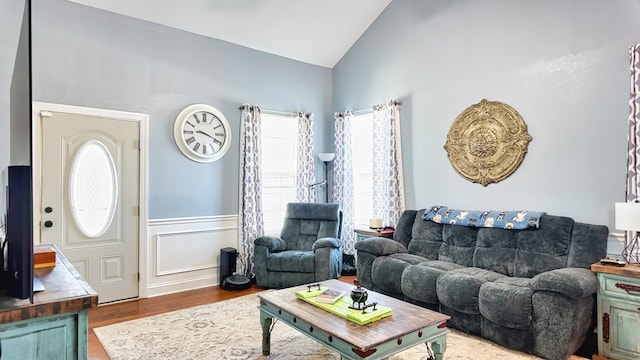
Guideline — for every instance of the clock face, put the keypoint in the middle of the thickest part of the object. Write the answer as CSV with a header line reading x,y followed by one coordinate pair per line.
x,y
202,133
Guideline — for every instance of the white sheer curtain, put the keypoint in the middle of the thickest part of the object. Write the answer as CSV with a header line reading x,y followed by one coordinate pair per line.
x,y
343,178
251,222
388,182
306,172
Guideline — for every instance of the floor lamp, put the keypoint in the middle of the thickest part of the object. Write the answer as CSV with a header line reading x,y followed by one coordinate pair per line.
x,y
627,215
326,158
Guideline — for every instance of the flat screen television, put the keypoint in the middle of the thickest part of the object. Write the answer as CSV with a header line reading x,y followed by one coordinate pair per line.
x,y
18,193
19,231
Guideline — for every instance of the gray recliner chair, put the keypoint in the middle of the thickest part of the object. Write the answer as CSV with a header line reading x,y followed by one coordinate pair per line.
x,y
309,247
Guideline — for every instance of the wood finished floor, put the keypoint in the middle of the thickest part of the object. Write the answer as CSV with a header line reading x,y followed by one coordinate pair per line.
x,y
115,313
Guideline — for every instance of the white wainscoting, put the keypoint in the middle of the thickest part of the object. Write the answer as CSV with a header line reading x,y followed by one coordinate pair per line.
x,y
184,254
615,245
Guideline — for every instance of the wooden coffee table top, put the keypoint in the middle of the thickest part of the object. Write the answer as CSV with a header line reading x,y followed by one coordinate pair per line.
x,y
405,317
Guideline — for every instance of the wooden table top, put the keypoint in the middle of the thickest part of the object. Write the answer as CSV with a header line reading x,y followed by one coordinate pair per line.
x,y
65,291
405,317
627,270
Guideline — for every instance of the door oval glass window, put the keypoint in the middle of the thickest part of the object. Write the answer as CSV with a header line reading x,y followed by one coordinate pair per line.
x,y
93,188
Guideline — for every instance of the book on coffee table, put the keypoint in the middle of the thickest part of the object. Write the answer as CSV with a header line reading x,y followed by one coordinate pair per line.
x,y
342,307
329,296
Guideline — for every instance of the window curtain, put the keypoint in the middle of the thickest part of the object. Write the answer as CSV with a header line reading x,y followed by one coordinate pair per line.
x,y
388,183
343,179
306,172
633,139
251,222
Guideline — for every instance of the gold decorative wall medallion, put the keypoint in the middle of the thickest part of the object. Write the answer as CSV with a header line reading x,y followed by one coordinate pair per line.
x,y
487,142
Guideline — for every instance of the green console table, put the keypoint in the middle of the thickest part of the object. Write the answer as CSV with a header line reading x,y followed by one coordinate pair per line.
x,y
618,311
55,326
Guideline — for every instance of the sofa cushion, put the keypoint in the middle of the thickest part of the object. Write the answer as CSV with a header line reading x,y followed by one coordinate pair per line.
x,y
515,281
588,243
458,289
496,250
404,226
419,281
386,272
458,244
292,261
543,249
426,238
574,283
506,304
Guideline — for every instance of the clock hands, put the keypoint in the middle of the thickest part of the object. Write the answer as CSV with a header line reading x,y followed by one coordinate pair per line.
x,y
205,134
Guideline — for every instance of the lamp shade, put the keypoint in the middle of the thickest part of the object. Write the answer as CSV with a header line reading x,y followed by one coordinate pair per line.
x,y
627,216
326,157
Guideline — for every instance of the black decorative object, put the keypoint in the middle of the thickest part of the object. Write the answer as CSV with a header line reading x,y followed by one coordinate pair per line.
x,y
359,297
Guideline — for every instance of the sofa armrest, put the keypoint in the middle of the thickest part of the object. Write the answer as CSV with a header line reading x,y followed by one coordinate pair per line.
x,y
379,246
574,283
326,242
273,243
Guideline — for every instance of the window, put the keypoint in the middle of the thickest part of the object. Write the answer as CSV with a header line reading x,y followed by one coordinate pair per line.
x,y
362,167
279,158
93,189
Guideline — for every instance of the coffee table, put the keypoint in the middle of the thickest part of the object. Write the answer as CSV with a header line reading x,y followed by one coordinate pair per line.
x,y
408,325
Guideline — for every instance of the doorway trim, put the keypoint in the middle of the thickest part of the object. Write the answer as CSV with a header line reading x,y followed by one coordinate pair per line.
x,y
36,163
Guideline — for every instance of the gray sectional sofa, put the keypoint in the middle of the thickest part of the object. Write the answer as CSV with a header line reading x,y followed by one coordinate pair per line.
x,y
529,290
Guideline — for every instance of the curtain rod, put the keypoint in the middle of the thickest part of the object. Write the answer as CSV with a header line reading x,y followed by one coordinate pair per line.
x,y
279,112
370,109
272,112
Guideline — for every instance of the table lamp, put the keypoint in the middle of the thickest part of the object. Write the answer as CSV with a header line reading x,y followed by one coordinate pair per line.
x,y
627,218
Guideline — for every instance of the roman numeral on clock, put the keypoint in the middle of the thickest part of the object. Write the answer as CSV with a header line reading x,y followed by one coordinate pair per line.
x,y
196,147
190,140
195,116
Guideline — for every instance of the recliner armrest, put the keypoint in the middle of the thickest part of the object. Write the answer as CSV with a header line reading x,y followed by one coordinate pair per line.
x,y
574,283
326,242
273,243
379,246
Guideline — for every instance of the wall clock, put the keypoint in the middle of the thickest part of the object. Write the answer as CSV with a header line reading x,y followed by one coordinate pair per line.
x,y
202,133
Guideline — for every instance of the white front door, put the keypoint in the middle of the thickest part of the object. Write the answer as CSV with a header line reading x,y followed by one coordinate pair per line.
x,y
90,198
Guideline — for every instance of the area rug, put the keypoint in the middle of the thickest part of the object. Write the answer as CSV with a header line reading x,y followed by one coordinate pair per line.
x,y
230,330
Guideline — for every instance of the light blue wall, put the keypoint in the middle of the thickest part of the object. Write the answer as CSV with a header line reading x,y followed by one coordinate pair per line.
x,y
563,65
88,57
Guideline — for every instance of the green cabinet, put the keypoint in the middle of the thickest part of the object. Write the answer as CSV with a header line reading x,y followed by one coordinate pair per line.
x,y
619,312
49,337
55,325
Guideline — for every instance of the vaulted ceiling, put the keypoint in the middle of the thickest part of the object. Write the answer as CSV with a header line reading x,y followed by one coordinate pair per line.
x,y
318,32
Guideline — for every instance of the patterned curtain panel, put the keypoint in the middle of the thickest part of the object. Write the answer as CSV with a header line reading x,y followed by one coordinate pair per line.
x,y
251,222
388,183
306,172
633,136
343,179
